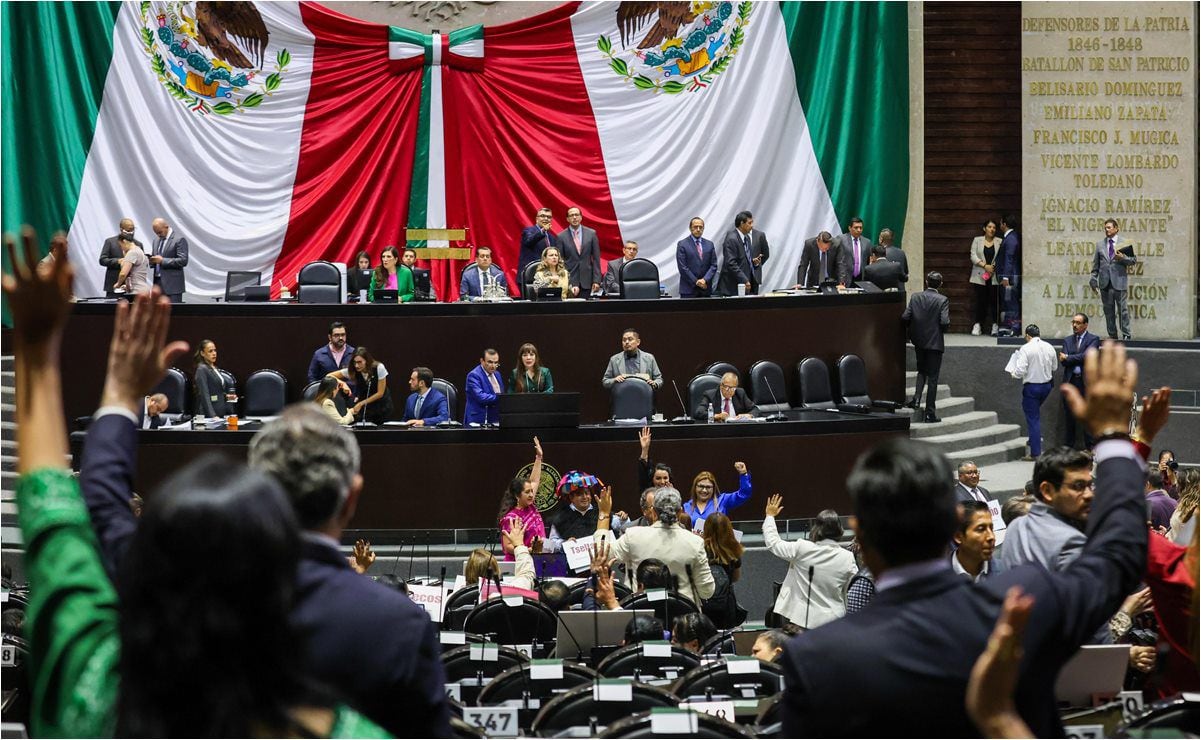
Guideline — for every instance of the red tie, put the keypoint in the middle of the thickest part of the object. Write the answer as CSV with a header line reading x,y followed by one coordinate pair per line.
x,y
729,410
575,236
699,252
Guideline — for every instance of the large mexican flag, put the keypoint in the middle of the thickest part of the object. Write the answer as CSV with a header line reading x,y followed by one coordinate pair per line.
x,y
274,134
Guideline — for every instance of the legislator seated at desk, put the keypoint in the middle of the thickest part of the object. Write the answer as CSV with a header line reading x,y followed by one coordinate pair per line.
x,y
727,400
426,406
484,385
391,275
612,282
481,275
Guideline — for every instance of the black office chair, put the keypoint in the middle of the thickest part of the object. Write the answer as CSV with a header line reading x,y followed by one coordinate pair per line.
x,y
531,621
236,283
698,387
319,282
458,605
230,382
16,703
266,393
639,279
310,392
720,644
630,662
720,368
767,387
632,399
578,708
707,725
813,378
174,386
576,592
458,663
852,385
452,397
768,723
527,280
516,684
666,610
714,682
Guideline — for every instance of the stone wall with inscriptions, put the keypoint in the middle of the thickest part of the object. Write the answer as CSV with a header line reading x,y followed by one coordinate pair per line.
x,y
1109,99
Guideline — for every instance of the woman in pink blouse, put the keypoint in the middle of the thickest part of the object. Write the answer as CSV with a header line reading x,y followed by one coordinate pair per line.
x,y
519,503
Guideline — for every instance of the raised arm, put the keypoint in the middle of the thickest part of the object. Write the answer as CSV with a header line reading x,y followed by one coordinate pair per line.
x,y
536,468
771,537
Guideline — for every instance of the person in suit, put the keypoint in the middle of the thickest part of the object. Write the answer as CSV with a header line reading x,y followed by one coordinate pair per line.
x,y
1053,531
1009,271
426,405
727,400
1113,257
894,254
928,316
612,282
856,249
968,488
975,542
484,386
1072,359
535,239
153,411
883,272
167,260
481,274
819,569
212,395
632,362
696,259
332,356
744,250
111,254
900,666
821,260
581,248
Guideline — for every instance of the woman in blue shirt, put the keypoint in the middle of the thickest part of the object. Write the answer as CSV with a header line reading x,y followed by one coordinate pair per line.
x,y
706,500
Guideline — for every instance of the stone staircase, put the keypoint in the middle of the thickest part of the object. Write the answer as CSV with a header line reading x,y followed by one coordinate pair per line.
x,y
9,533
964,433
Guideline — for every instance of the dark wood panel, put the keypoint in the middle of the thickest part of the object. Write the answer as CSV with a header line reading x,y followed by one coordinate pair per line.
x,y
973,133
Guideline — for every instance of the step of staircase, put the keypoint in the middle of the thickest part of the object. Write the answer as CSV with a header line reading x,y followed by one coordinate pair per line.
x,y
992,454
8,480
8,394
948,408
8,462
952,445
7,362
8,412
953,424
944,391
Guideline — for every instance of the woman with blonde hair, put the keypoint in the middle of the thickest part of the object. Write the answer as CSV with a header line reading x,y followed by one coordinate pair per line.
x,y
551,273
725,562
1188,481
482,564
706,500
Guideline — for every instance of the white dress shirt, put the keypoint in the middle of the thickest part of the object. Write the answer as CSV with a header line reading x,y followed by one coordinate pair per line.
x,y
1035,362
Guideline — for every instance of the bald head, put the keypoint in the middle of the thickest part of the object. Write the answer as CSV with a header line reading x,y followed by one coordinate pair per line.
x,y
159,226
126,224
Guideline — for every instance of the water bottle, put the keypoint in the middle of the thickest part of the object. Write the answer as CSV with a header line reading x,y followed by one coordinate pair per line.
x,y
709,415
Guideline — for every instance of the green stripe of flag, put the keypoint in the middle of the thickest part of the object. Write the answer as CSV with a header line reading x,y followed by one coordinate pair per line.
x,y
419,192
852,76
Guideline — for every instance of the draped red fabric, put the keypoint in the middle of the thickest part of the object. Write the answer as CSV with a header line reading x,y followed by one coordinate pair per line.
x,y
356,148
520,134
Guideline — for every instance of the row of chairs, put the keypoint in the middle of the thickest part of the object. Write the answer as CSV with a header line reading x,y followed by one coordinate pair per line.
x,y
816,388
638,279
264,394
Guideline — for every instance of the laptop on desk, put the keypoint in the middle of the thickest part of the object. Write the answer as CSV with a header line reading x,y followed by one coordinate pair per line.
x,y
386,296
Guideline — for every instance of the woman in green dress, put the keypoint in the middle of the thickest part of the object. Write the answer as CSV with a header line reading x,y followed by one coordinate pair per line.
x,y
199,644
530,376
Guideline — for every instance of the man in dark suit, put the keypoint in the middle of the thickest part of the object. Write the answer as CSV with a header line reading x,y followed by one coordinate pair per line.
x,y
426,406
1009,270
167,260
154,411
482,273
728,402
612,283
900,667
332,356
968,488
895,254
581,254
928,316
111,255
534,239
744,249
856,249
821,260
1072,359
883,272
373,643
696,259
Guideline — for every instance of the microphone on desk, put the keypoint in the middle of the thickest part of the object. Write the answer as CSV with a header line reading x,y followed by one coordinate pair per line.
x,y
779,415
686,418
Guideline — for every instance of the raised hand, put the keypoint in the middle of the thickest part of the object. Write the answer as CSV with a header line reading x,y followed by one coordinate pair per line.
x,y
740,468
775,504
537,448
1112,379
605,502
363,556
600,556
137,358
516,532
1156,408
644,441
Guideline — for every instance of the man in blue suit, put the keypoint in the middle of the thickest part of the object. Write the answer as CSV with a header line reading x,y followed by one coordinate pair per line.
x,y
697,261
1009,270
1072,359
484,386
534,239
425,406
482,273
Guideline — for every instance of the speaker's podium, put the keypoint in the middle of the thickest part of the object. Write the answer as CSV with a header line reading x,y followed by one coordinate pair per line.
x,y
539,410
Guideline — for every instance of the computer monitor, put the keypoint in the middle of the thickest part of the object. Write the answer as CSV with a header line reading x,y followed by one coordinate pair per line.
x,y
548,293
423,288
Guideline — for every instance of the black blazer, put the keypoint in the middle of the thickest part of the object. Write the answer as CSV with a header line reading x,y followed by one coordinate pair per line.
x,y
742,403
900,667
965,494
210,393
735,268
885,274
928,316
809,273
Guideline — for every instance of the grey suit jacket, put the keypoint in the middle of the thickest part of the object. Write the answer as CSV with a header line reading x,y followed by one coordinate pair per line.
x,y
1109,273
865,250
583,266
175,257
1042,536
809,272
646,364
